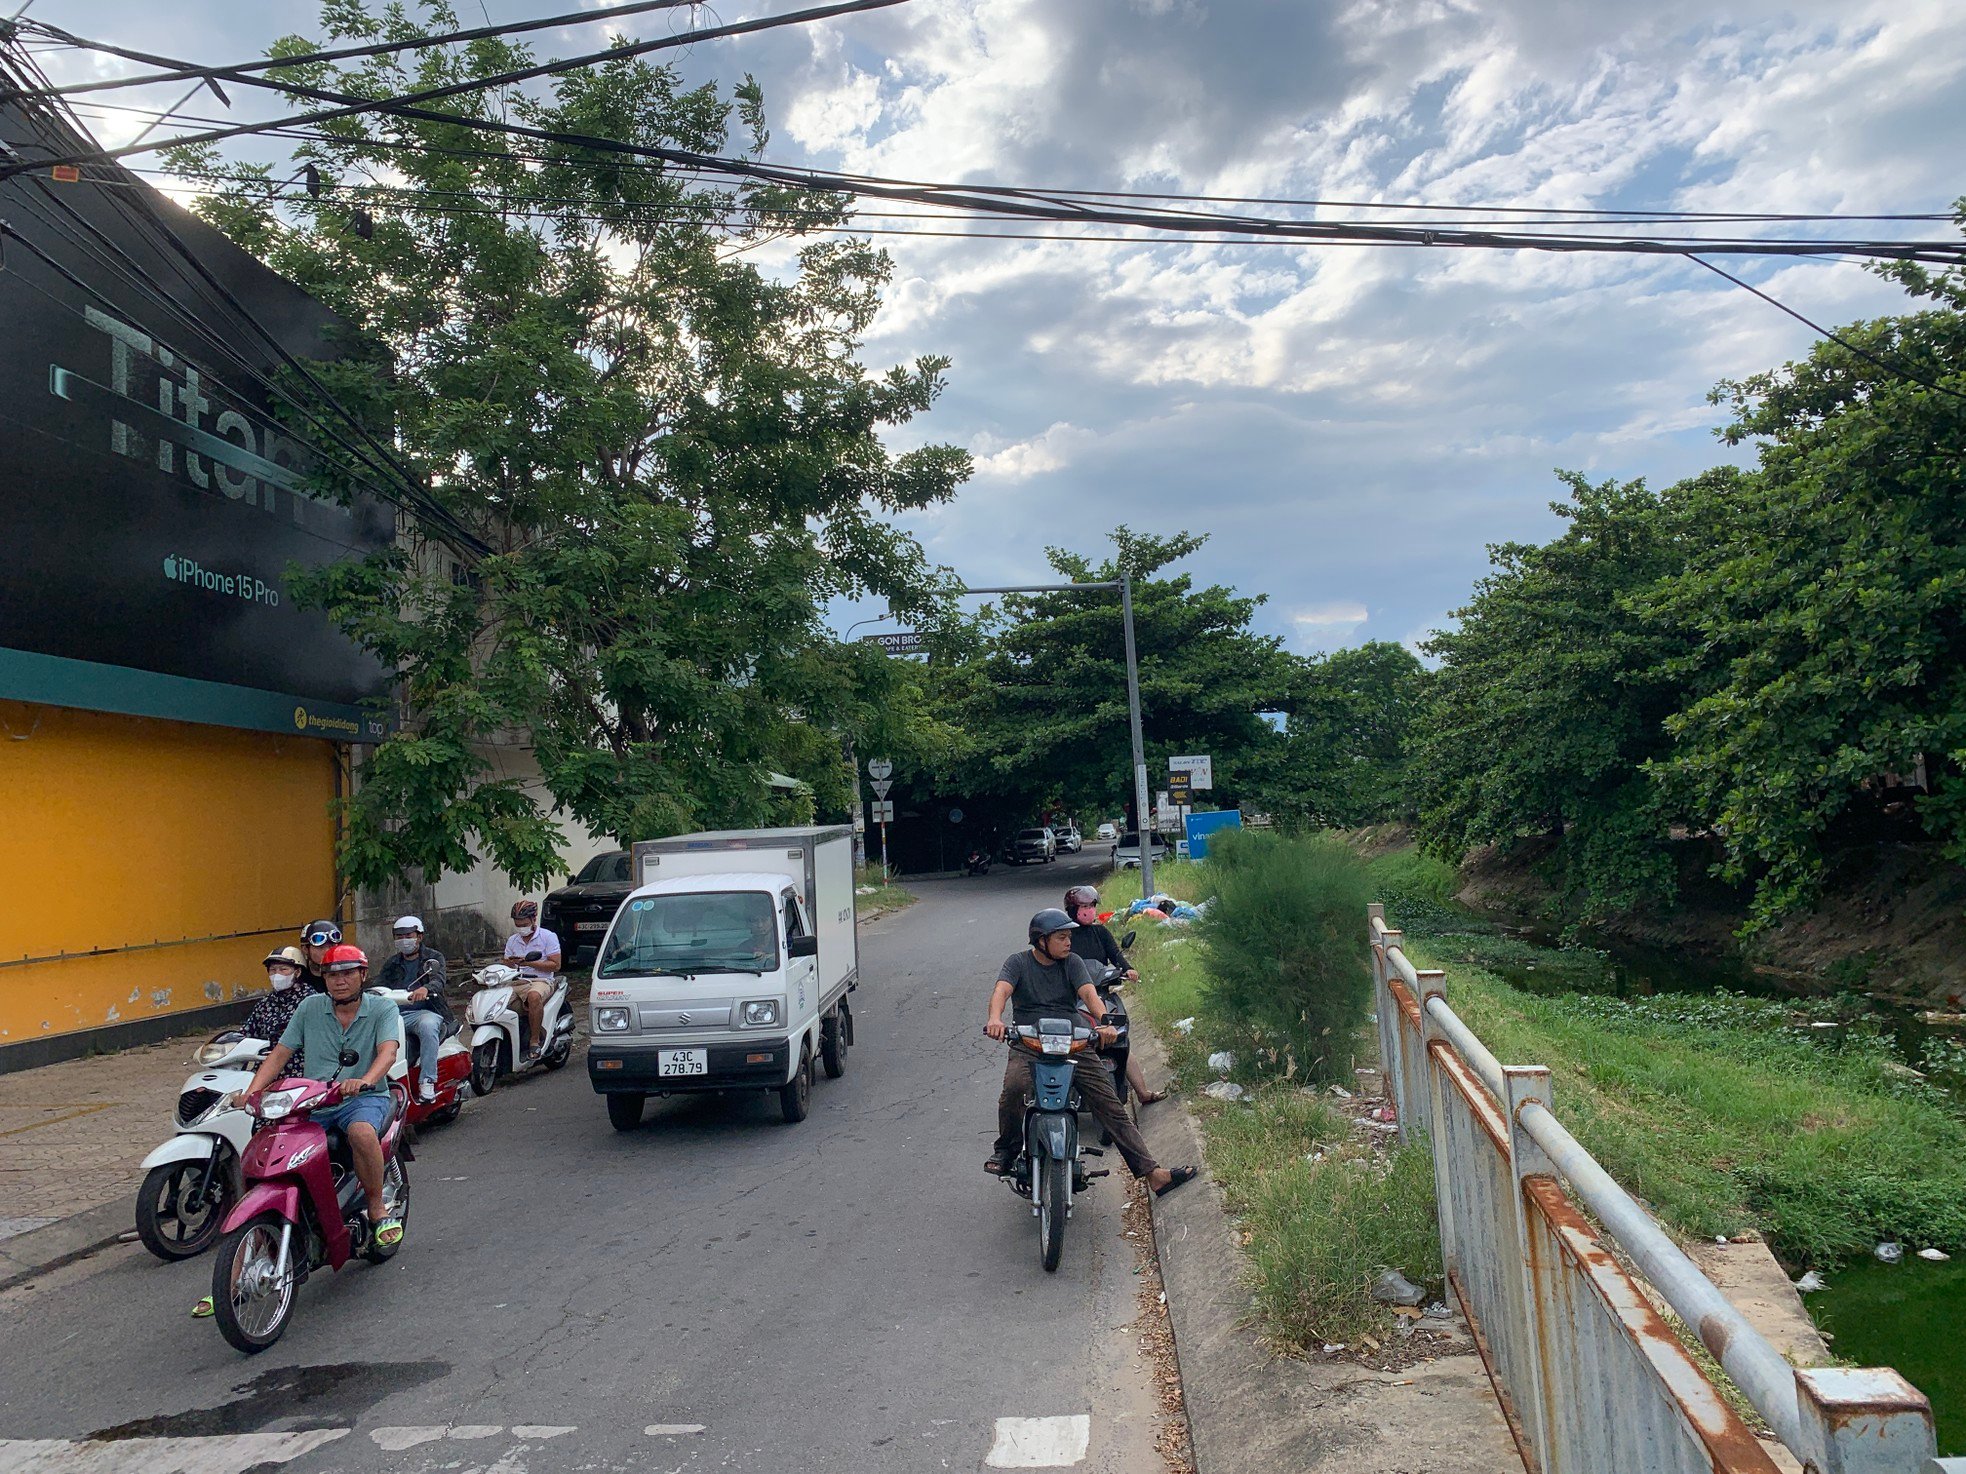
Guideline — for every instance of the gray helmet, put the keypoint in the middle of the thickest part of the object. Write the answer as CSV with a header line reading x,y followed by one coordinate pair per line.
x,y
1050,920
1080,895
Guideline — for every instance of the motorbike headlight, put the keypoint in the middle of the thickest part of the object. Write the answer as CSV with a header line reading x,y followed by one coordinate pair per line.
x,y
278,1104
611,1020
760,1012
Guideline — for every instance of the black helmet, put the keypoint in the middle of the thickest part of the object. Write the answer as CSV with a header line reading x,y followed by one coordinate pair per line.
x,y
1080,895
320,934
1050,920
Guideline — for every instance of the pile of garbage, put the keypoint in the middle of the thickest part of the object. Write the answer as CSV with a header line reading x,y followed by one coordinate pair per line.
x,y
1165,909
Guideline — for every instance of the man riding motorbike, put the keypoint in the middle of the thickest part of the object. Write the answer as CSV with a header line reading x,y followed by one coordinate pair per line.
x,y
1093,943
1047,981
535,984
350,1038
315,939
419,971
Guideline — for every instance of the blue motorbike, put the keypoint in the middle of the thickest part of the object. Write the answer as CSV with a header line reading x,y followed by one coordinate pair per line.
x,y
1053,1166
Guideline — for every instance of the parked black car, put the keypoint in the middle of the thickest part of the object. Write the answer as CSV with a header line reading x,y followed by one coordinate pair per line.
x,y
578,913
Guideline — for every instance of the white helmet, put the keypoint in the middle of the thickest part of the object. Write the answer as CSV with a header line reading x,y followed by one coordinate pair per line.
x,y
408,923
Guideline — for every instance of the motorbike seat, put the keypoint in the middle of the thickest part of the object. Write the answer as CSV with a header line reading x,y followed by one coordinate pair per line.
x,y
451,1026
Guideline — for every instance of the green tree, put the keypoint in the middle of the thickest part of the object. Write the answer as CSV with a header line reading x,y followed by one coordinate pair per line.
x,y
676,459
1043,708
1831,602
1344,757
1554,690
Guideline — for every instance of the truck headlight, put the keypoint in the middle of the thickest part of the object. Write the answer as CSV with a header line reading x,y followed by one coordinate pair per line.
x,y
611,1020
760,1012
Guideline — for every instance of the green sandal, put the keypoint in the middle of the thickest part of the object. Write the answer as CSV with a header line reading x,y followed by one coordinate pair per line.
x,y
204,1309
389,1233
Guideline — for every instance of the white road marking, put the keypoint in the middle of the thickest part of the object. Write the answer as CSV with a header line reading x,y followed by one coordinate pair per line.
x,y
538,1431
231,1454
395,1440
671,1430
1040,1443
475,1430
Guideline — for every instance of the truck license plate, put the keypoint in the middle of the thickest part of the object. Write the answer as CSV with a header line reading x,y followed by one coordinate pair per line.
x,y
682,1062
590,926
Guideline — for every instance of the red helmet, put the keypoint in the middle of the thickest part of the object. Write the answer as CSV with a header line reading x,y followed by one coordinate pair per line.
x,y
345,958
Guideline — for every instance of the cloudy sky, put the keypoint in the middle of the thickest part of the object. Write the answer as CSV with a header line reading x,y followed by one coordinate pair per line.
x,y
1350,426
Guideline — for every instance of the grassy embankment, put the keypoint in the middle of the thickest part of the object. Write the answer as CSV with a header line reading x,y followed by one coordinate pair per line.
x,y
882,898
1723,1113
1321,1209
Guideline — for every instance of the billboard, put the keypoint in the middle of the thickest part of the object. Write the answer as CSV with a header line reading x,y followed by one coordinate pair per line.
x,y
153,477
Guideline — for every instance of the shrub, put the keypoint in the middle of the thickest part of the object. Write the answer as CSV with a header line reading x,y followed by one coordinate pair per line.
x,y
1284,945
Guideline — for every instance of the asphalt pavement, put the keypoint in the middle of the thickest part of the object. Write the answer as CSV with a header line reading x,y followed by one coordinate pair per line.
x,y
715,1290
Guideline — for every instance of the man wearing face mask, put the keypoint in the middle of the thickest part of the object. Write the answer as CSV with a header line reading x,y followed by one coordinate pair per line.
x,y
535,983
419,971
287,976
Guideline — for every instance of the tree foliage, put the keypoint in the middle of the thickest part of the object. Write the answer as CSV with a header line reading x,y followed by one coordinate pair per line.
x,y
676,458
1344,758
1753,657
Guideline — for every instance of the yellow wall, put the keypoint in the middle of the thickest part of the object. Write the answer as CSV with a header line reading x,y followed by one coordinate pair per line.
x,y
122,831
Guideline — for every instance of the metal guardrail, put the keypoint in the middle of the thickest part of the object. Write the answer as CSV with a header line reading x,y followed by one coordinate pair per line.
x,y
1589,1373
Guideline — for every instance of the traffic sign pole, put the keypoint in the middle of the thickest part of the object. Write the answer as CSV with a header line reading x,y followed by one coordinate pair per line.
x,y
1144,830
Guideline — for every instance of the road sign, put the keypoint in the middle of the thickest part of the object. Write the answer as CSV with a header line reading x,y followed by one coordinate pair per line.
x,y
1180,786
882,811
1200,770
955,816
879,769
881,786
897,642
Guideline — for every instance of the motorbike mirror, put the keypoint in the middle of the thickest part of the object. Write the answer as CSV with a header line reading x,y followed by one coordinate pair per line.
x,y
1127,940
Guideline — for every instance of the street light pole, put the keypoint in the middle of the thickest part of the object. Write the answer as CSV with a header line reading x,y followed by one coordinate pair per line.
x,y
1124,583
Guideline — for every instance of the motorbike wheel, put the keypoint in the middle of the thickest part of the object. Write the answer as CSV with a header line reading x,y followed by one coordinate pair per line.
x,y
166,1228
795,1099
253,1294
832,1047
557,1057
484,1067
396,1194
625,1109
1054,1180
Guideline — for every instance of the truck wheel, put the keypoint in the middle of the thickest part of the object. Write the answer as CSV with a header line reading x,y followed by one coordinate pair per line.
x,y
832,1046
625,1110
1054,1178
795,1099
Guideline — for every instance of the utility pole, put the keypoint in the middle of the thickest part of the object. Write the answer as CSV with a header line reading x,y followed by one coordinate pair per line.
x,y
1124,583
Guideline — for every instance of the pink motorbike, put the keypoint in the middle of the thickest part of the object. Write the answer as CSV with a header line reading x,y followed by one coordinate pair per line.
x,y
302,1208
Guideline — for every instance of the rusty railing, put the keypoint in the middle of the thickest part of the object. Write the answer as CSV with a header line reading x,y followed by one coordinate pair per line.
x,y
1589,1373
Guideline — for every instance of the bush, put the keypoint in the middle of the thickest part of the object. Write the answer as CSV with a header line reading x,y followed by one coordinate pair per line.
x,y
1284,945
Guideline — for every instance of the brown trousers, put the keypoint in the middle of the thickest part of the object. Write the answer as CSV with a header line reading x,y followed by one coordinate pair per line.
x,y
1094,1083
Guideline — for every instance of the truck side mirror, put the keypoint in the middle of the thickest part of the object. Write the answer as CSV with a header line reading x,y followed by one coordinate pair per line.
x,y
802,947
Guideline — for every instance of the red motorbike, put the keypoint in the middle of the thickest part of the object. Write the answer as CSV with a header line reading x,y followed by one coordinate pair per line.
x,y
453,1071
302,1208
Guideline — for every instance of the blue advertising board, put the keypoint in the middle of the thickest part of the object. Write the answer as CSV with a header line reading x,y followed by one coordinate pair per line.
x,y
1200,826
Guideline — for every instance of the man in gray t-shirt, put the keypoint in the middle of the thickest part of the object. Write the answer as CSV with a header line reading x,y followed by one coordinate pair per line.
x,y
1049,982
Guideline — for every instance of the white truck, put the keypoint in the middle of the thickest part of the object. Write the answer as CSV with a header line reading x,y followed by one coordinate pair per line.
x,y
727,968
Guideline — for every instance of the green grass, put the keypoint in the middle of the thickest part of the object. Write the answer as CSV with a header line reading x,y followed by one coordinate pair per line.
x,y
1724,1113
884,900
1317,1234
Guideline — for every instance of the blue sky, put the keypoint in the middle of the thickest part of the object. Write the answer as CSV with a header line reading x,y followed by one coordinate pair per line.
x,y
1351,427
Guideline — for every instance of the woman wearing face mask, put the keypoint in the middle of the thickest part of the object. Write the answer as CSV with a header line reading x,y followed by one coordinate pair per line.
x,y
286,974
1092,942
419,971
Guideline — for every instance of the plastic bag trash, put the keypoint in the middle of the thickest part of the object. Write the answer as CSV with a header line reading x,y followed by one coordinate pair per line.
x,y
1223,1090
1174,921
1811,1281
1185,1025
1935,1256
1332,1348
1341,1092
1183,912
1154,913
1394,1288
1889,1253
1222,1061
1439,1311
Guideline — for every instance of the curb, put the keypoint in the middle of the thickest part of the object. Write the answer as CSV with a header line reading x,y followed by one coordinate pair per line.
x,y
32,1254
1253,1411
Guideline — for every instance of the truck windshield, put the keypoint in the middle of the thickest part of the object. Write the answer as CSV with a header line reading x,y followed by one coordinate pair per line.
x,y
702,931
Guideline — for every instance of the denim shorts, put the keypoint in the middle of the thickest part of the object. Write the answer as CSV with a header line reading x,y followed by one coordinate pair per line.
x,y
372,1108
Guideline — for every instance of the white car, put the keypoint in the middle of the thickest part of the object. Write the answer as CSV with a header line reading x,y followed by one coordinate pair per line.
x,y
1126,850
1070,841
1109,833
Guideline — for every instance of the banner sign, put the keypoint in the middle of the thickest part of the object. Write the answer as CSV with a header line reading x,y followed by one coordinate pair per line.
x,y
156,487
1200,770
898,642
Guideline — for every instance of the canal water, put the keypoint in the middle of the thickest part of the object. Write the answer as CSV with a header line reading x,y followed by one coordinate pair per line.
x,y
1910,1315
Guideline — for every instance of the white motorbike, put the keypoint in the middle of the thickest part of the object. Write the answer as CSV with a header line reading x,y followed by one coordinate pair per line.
x,y
497,1028
191,1182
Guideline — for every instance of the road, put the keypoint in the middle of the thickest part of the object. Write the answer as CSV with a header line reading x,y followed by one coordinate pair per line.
x,y
716,1290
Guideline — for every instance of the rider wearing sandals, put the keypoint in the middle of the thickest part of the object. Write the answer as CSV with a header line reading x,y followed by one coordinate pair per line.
x,y
1047,981
1094,944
